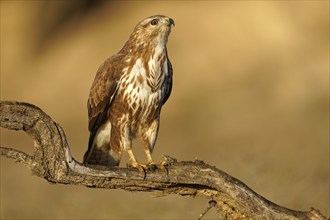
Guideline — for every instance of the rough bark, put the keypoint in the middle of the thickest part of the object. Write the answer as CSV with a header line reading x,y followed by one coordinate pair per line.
x,y
53,161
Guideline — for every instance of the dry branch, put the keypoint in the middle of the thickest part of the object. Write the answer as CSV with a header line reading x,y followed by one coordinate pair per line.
x,y
53,161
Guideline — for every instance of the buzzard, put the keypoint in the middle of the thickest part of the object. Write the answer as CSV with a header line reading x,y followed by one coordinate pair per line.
x,y
127,95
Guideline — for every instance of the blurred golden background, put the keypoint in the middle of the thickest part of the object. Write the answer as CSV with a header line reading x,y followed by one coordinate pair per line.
x,y
250,96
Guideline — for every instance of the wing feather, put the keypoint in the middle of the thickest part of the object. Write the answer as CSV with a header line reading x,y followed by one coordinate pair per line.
x,y
168,83
102,93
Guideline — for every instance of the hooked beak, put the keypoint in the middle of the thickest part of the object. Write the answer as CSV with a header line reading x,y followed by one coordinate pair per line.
x,y
169,21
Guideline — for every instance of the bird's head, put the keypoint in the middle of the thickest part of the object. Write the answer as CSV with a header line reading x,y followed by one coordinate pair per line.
x,y
153,30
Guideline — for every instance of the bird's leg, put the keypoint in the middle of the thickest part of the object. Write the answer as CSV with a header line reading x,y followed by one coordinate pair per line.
x,y
126,144
151,164
134,163
148,150
148,139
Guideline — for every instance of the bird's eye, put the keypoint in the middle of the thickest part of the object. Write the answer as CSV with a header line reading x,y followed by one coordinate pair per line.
x,y
154,22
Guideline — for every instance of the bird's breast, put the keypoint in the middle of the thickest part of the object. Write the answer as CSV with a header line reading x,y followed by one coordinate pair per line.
x,y
142,90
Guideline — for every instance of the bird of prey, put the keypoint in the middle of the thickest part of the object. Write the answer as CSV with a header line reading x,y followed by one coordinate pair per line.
x,y
127,95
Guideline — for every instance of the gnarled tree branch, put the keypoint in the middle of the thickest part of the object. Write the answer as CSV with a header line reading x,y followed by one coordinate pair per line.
x,y
53,161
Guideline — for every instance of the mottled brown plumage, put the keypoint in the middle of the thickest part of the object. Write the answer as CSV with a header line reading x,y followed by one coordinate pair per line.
x,y
127,94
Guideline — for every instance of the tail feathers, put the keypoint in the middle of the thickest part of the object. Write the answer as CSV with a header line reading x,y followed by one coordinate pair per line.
x,y
100,153
99,150
101,156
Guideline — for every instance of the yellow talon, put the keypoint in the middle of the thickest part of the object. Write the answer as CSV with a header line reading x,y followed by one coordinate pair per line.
x,y
141,167
163,166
